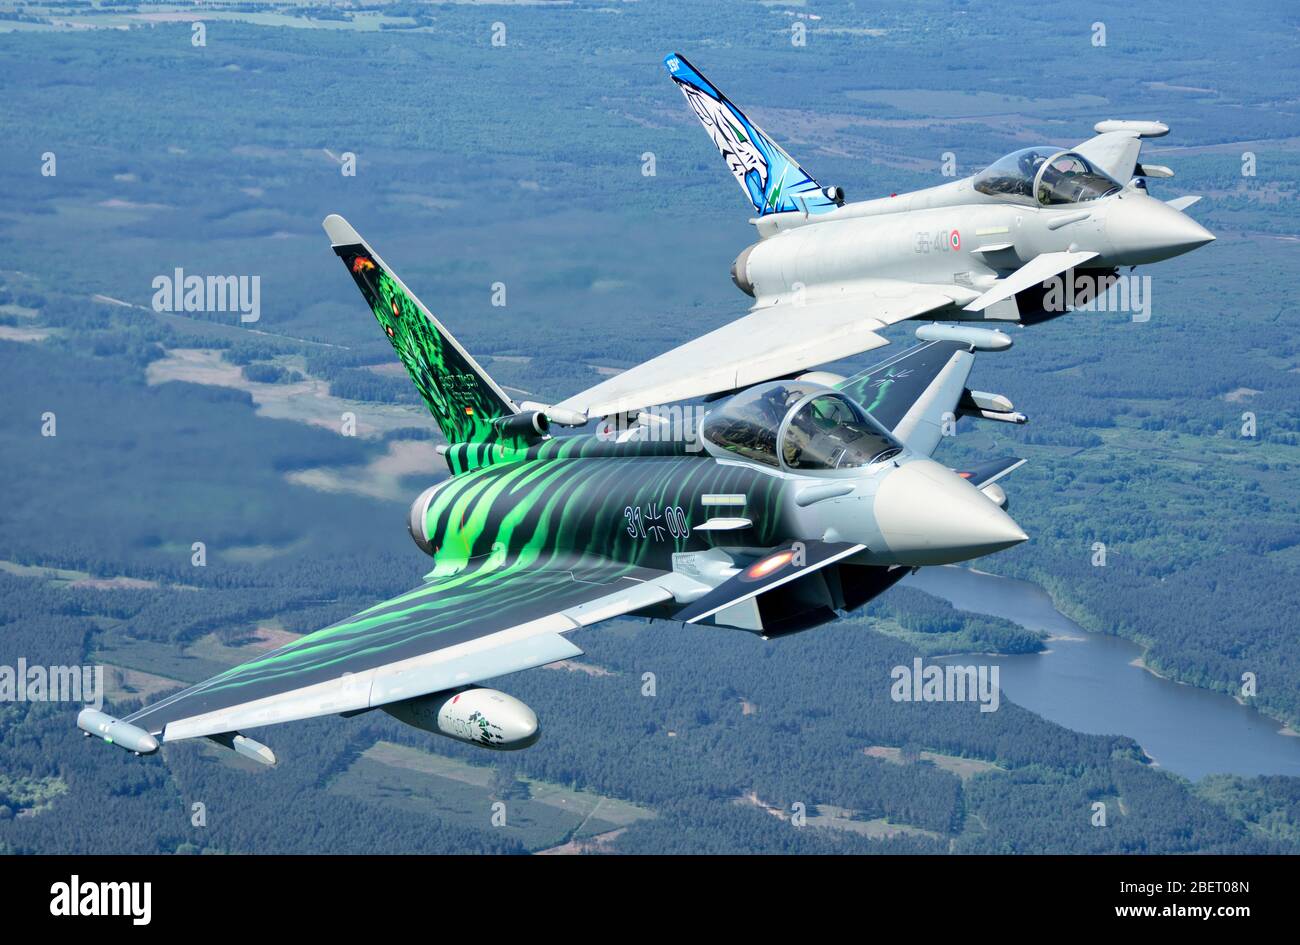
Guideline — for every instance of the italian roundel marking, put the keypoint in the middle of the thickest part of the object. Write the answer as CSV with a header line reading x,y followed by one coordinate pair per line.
x,y
955,239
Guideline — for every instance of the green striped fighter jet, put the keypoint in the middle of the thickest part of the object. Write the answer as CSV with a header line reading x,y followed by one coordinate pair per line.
x,y
773,508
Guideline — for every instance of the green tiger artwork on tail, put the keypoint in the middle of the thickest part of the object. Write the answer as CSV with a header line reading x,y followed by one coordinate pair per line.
x,y
464,401
773,508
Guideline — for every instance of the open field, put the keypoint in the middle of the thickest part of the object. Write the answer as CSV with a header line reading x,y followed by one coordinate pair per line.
x,y
547,816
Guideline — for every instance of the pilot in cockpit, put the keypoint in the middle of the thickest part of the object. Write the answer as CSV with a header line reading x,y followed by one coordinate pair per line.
x,y
819,428
830,432
1046,176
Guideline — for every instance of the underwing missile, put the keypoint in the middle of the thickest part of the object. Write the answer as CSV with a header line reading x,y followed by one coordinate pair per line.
x,y
116,732
244,746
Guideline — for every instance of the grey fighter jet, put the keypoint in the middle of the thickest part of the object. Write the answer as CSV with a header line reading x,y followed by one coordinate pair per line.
x,y
826,275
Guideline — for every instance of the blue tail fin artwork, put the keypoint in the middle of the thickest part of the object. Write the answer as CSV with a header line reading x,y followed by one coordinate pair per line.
x,y
772,180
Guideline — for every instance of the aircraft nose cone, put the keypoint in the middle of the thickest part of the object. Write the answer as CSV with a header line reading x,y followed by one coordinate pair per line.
x,y
1143,230
928,514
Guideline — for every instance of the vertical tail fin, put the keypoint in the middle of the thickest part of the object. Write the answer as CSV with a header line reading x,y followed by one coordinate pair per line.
x,y
462,398
772,180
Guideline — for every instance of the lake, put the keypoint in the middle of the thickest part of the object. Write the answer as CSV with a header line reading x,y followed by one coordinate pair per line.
x,y
1088,682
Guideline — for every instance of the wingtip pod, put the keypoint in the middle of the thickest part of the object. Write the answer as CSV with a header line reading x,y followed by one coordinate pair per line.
x,y
982,339
1142,129
116,732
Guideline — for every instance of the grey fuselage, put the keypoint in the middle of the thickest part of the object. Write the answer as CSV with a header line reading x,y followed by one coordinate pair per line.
x,y
955,238
644,502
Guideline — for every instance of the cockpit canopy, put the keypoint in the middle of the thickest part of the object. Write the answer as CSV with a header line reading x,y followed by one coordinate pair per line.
x,y
798,426
1046,176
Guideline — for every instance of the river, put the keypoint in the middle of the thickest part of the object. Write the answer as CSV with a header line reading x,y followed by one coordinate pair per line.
x,y
1089,682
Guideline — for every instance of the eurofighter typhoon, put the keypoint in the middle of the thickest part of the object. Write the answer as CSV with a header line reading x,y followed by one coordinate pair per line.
x,y
795,500
826,275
